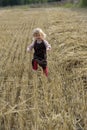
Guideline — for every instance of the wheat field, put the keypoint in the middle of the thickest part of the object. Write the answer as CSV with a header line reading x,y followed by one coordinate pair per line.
x,y
29,100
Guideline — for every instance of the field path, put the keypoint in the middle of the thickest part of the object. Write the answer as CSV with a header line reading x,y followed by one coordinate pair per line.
x,y
30,101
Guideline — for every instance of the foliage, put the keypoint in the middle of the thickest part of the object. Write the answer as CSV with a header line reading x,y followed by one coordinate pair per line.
x,y
83,3
68,5
20,2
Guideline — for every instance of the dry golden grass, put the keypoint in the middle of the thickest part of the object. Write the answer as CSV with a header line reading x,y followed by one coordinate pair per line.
x,y
30,101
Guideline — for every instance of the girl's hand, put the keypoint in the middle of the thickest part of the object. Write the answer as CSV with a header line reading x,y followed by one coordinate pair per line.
x,y
28,49
49,48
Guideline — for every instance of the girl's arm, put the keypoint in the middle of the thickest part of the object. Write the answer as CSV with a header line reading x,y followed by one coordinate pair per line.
x,y
48,46
30,47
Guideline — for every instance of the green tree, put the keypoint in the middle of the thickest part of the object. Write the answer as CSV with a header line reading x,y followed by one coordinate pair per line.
x,y
1,2
83,3
5,2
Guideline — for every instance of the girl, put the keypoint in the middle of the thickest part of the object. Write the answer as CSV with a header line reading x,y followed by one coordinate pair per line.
x,y
40,46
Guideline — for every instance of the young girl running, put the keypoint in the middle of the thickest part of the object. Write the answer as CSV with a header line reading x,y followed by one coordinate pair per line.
x,y
40,46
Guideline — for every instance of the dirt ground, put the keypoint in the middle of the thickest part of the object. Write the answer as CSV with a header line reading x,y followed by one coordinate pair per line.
x,y
28,100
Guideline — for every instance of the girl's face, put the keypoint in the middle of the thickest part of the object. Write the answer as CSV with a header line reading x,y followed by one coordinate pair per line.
x,y
38,36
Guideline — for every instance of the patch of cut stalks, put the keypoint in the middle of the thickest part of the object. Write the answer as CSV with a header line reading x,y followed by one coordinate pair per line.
x,y
30,101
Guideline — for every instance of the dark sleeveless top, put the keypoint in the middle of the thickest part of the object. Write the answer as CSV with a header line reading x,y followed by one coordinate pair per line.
x,y
40,50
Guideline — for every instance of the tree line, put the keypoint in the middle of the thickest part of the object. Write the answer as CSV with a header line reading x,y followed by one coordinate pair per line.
x,y
23,2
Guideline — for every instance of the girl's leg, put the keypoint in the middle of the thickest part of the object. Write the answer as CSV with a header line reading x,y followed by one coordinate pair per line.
x,y
34,64
45,71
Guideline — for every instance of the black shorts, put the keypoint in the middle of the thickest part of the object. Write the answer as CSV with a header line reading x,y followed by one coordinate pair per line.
x,y
42,62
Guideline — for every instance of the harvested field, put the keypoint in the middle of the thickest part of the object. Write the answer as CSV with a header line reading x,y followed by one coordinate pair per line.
x,y
28,100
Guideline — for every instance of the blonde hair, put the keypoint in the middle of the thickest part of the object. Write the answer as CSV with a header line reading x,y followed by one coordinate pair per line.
x,y
39,31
